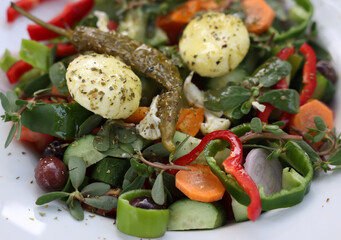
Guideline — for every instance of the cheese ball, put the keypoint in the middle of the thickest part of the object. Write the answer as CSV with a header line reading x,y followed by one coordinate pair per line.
x,y
104,85
213,44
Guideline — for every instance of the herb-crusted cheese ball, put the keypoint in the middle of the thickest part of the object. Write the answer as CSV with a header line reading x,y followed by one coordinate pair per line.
x,y
214,44
104,85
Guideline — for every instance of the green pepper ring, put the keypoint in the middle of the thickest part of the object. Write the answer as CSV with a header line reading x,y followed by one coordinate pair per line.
x,y
138,222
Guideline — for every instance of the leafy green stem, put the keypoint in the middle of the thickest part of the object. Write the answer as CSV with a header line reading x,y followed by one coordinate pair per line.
x,y
250,136
161,166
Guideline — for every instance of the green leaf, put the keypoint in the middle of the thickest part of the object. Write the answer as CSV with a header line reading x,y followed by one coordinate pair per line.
x,y
246,107
110,170
60,120
136,184
36,54
237,113
5,102
7,60
283,99
19,130
256,125
272,71
102,202
77,169
319,123
51,196
95,189
335,159
11,134
89,125
57,75
12,98
274,154
317,138
116,151
102,140
140,168
76,210
156,151
124,135
158,191
21,102
129,177
52,55
314,157
226,98
42,82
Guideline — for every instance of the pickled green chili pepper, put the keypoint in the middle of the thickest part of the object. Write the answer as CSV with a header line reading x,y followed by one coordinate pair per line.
x,y
145,59
138,222
297,179
297,30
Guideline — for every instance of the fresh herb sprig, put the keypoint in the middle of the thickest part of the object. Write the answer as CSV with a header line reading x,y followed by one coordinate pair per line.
x,y
330,152
14,107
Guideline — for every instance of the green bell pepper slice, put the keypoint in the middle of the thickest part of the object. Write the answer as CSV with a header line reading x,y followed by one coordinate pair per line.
x,y
297,30
294,156
138,222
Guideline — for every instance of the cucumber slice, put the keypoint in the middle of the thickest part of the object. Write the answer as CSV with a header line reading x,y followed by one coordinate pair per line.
x,y
239,211
187,214
83,148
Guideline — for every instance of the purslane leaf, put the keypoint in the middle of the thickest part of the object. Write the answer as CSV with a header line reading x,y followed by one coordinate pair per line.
x,y
11,134
51,196
77,169
283,99
57,75
76,210
272,71
256,125
226,98
158,191
95,189
102,202
335,159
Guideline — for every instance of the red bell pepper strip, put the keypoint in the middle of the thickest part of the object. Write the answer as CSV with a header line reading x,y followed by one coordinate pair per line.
x,y
309,73
63,49
20,67
232,165
17,70
112,25
282,84
72,13
25,4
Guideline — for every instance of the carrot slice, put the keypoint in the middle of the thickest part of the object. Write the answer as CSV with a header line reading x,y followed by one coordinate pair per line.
x,y
138,115
199,184
175,21
190,120
307,112
259,15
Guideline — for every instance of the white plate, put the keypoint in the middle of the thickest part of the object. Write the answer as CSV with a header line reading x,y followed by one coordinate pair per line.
x,y
317,217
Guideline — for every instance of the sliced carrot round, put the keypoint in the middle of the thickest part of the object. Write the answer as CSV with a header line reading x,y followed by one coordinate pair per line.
x,y
199,184
307,112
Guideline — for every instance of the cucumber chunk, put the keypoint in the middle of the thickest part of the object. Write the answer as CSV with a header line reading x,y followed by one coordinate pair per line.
x,y
110,170
239,211
83,148
187,214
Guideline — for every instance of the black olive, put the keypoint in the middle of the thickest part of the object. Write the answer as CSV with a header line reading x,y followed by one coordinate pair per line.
x,y
51,174
145,202
55,149
327,70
